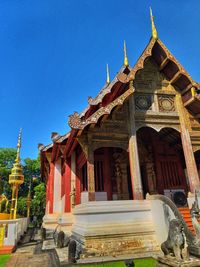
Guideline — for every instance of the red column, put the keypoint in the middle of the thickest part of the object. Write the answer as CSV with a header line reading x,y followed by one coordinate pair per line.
x,y
107,173
78,185
67,179
51,187
63,182
47,193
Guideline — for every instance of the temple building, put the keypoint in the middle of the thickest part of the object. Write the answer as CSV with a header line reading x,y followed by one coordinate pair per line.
x,y
139,136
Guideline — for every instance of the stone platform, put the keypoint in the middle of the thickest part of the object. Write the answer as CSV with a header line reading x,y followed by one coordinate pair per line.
x,y
112,228
173,262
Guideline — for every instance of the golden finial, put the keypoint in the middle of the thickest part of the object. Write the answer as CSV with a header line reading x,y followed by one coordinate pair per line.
x,y
125,56
108,74
153,27
193,91
19,146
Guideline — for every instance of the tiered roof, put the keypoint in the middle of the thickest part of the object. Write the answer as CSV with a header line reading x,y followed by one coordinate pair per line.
x,y
114,93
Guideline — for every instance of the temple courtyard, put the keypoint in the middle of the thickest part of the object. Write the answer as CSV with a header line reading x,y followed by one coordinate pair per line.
x,y
122,186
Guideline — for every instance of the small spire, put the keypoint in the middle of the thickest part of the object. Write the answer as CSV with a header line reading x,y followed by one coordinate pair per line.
x,y
125,56
19,146
108,74
153,27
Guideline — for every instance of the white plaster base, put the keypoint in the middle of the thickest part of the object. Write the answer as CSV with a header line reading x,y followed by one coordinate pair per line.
x,y
99,196
115,227
50,221
65,220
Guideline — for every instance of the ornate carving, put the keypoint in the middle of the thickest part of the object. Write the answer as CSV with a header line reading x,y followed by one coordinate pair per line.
x,y
76,122
73,197
166,103
140,63
106,90
175,242
172,58
143,102
195,214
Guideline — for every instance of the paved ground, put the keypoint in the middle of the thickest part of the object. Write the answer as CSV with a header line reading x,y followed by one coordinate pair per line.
x,y
28,260
62,253
30,254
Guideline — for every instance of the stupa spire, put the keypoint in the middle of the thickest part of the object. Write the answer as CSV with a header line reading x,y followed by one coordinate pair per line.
x,y
16,178
19,146
125,55
153,27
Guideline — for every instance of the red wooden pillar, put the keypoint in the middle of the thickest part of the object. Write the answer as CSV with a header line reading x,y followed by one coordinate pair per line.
x,y
63,182
78,185
107,173
189,160
67,179
51,186
47,196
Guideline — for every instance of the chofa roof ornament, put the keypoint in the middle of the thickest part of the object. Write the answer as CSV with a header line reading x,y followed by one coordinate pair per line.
x,y
153,27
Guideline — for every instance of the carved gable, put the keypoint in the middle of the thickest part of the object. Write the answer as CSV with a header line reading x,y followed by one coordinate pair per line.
x,y
150,80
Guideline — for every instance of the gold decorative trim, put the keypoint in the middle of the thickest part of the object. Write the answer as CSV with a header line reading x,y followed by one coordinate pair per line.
x,y
140,63
75,121
172,58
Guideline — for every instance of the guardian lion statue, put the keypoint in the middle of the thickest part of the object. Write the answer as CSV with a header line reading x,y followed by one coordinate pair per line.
x,y
175,245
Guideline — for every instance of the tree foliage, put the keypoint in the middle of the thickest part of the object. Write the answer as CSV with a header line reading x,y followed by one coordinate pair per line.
x,y
32,179
39,202
31,171
7,158
22,206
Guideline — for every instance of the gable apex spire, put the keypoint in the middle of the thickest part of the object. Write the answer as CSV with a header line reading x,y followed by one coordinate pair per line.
x,y
125,55
153,27
108,74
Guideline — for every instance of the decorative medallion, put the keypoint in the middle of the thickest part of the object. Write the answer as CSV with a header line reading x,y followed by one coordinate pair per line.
x,y
166,103
74,120
143,102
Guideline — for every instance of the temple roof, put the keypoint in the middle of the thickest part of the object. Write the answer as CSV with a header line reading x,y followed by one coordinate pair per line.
x,y
117,91
167,64
103,92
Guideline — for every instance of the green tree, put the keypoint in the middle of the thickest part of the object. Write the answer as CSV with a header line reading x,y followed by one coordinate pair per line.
x,y
31,171
39,202
22,206
7,158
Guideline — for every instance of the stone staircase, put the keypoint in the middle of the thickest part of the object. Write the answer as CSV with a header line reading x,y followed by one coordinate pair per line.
x,y
6,249
187,217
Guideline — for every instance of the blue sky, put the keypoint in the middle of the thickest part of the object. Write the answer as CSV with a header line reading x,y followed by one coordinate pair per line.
x,y
53,55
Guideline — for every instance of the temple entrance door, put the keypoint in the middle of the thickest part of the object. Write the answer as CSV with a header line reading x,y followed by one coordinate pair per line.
x,y
112,176
162,162
170,174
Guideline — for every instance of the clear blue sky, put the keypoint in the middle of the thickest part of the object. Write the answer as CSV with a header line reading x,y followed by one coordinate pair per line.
x,y
53,55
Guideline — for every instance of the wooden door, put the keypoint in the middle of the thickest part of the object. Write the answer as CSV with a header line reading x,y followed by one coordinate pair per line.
x,y
169,171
